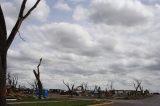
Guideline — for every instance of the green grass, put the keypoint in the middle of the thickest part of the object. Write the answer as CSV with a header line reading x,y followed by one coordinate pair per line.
x,y
28,99
31,98
61,103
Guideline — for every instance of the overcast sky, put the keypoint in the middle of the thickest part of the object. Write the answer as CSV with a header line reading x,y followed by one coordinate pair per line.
x,y
94,41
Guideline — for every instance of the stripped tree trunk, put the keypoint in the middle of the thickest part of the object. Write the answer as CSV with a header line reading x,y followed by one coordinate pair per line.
x,y
3,62
2,79
38,81
5,44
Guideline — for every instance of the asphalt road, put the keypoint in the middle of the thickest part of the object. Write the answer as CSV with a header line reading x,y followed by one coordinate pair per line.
x,y
152,101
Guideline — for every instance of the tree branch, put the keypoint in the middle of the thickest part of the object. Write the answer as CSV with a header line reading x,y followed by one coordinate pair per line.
x,y
20,36
28,13
67,85
39,66
19,22
3,31
22,8
37,74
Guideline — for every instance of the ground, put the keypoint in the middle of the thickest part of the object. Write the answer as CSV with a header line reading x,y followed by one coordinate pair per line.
x,y
152,101
57,102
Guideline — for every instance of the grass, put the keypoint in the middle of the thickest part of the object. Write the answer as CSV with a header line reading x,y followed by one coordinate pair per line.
x,y
61,103
27,99
32,98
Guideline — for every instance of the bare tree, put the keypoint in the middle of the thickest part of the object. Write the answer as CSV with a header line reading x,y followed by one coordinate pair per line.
x,y
38,80
12,81
110,89
5,43
106,92
141,89
83,87
97,90
34,86
137,86
111,86
70,88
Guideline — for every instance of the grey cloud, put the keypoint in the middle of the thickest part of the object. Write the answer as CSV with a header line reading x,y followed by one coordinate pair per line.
x,y
92,52
153,67
150,2
72,38
125,13
113,14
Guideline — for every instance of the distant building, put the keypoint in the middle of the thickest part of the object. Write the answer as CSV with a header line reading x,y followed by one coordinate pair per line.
x,y
58,91
156,93
124,92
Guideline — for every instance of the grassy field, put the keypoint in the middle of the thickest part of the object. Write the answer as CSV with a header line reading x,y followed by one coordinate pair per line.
x,y
60,103
31,98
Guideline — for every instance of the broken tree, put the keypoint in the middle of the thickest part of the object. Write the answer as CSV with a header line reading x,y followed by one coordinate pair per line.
x,y
70,88
137,86
5,43
38,80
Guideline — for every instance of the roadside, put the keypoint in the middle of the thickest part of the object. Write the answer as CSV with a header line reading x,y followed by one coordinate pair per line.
x,y
152,101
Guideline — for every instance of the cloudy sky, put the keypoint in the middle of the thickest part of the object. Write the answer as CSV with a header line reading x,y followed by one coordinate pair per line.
x,y
94,41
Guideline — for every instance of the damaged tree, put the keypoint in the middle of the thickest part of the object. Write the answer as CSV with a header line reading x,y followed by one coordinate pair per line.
x,y
70,88
12,85
97,91
34,86
6,42
137,86
12,81
38,82
83,87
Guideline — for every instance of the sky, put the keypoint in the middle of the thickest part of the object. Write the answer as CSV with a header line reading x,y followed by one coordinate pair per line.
x,y
98,42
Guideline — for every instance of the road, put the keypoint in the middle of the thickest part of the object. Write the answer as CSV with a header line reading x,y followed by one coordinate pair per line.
x,y
152,101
